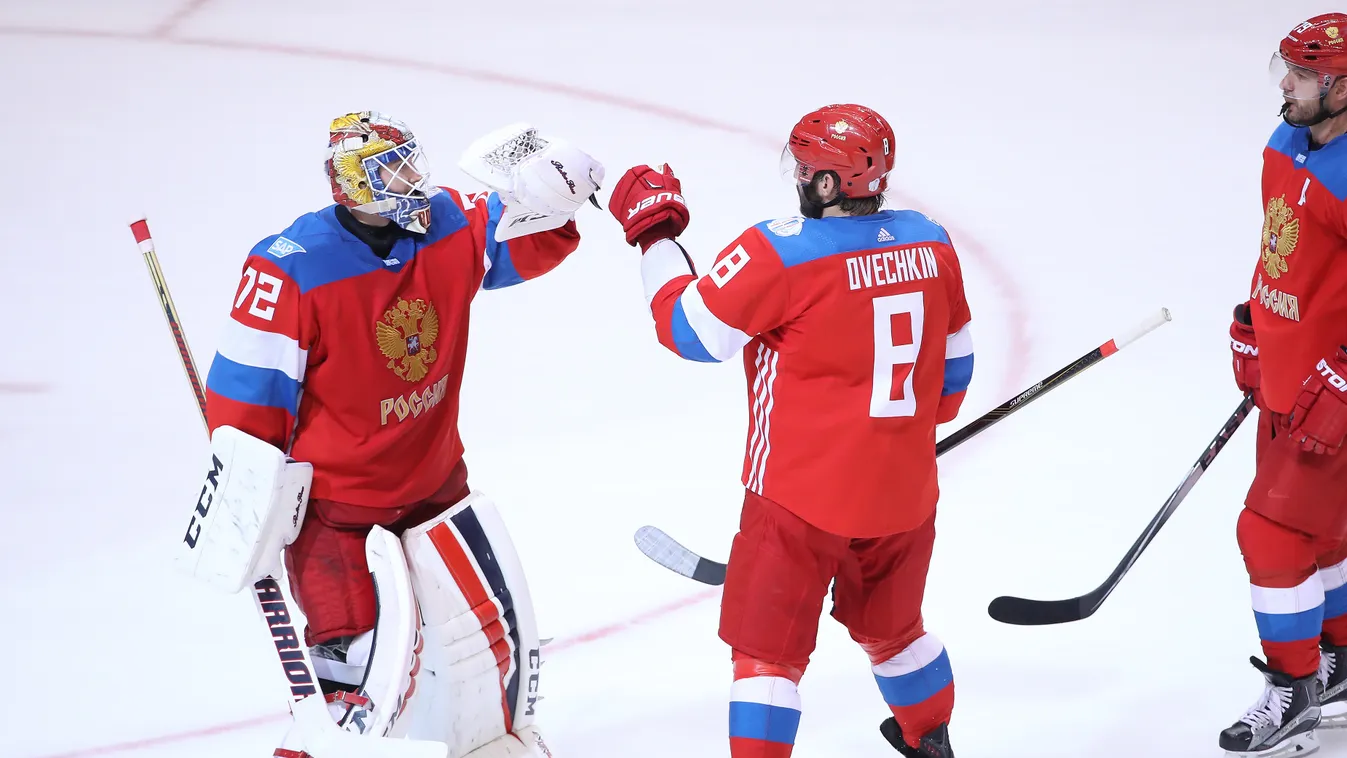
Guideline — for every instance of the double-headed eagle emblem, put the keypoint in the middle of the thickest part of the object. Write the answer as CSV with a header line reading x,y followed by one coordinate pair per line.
x,y
406,335
1281,234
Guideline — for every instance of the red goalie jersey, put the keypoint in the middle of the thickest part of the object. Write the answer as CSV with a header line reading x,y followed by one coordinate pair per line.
x,y
855,342
354,362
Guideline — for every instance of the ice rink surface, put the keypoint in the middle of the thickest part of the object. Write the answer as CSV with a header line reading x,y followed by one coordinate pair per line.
x,y
1093,162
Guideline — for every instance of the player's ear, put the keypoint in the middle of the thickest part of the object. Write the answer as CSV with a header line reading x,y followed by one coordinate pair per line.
x,y
1339,88
825,184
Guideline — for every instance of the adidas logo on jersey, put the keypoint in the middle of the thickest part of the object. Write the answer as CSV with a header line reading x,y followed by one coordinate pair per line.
x,y
884,235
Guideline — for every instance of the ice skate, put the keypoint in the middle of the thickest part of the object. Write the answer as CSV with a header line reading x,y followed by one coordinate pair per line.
x,y
1281,724
934,744
1333,686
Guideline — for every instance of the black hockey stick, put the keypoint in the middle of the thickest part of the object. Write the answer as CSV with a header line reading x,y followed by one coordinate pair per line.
x,y
1022,611
667,552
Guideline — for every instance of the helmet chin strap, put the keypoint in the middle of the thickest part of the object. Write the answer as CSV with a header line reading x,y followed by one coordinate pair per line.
x,y
1323,115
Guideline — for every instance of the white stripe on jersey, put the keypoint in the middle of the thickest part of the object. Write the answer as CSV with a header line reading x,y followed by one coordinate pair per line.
x,y
721,340
960,343
247,346
764,398
756,410
661,264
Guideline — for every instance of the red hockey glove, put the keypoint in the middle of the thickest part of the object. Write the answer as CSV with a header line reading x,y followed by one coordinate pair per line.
x,y
649,205
1248,377
1319,422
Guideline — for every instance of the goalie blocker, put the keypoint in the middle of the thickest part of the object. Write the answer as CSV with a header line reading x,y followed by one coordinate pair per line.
x,y
453,661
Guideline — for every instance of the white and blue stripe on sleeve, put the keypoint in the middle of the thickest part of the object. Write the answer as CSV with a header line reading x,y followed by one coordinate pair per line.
x,y
958,361
257,367
698,334
500,270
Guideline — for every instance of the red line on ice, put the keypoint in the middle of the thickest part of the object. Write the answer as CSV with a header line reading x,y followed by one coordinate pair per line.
x,y
568,643
23,388
1000,274
175,20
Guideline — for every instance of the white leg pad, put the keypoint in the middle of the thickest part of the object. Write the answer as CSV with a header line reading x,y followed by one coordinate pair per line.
x,y
481,637
394,660
525,743
390,658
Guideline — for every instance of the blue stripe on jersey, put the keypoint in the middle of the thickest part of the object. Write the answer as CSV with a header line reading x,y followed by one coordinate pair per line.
x,y
256,386
759,721
958,374
502,273
1328,164
1335,602
918,686
820,238
1290,627
332,254
685,338
1290,140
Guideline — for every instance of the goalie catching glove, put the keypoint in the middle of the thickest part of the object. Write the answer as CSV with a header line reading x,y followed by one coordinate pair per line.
x,y
541,180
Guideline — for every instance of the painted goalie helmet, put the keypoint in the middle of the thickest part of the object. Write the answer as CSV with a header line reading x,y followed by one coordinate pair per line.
x,y
376,165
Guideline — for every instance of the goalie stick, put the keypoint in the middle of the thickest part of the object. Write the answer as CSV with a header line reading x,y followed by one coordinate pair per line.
x,y
667,552
323,738
1025,612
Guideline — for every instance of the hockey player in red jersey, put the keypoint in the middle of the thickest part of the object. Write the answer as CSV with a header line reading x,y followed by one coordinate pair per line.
x,y
1288,341
855,340
345,352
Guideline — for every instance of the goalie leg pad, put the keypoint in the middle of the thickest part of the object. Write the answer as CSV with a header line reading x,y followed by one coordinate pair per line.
x,y
250,506
480,631
526,743
371,680
394,659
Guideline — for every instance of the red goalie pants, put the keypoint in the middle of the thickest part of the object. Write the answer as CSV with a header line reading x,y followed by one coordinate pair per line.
x,y
329,576
779,571
1292,534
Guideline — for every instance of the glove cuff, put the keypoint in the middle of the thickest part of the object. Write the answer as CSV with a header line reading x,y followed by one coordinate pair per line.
x,y
664,230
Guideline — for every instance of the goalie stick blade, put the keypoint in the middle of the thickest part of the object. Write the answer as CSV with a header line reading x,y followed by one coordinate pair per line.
x,y
1025,612
665,550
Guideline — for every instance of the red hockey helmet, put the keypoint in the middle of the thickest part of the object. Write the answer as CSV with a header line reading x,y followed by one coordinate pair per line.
x,y
851,140
1319,45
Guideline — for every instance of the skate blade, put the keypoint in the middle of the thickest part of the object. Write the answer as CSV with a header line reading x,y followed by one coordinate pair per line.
x,y
1333,716
1300,745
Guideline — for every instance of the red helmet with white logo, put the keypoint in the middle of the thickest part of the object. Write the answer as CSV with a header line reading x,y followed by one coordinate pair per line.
x,y
1319,45
851,140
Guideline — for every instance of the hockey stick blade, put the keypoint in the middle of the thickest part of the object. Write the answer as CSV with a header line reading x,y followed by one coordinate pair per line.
x,y
664,550
1025,612
667,552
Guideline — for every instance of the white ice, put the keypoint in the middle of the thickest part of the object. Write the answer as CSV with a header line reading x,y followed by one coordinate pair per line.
x,y
1094,161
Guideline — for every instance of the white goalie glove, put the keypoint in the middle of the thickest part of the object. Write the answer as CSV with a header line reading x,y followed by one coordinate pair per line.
x,y
543,181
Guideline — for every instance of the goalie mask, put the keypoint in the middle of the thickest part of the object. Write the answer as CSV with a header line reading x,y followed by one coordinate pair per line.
x,y
376,166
